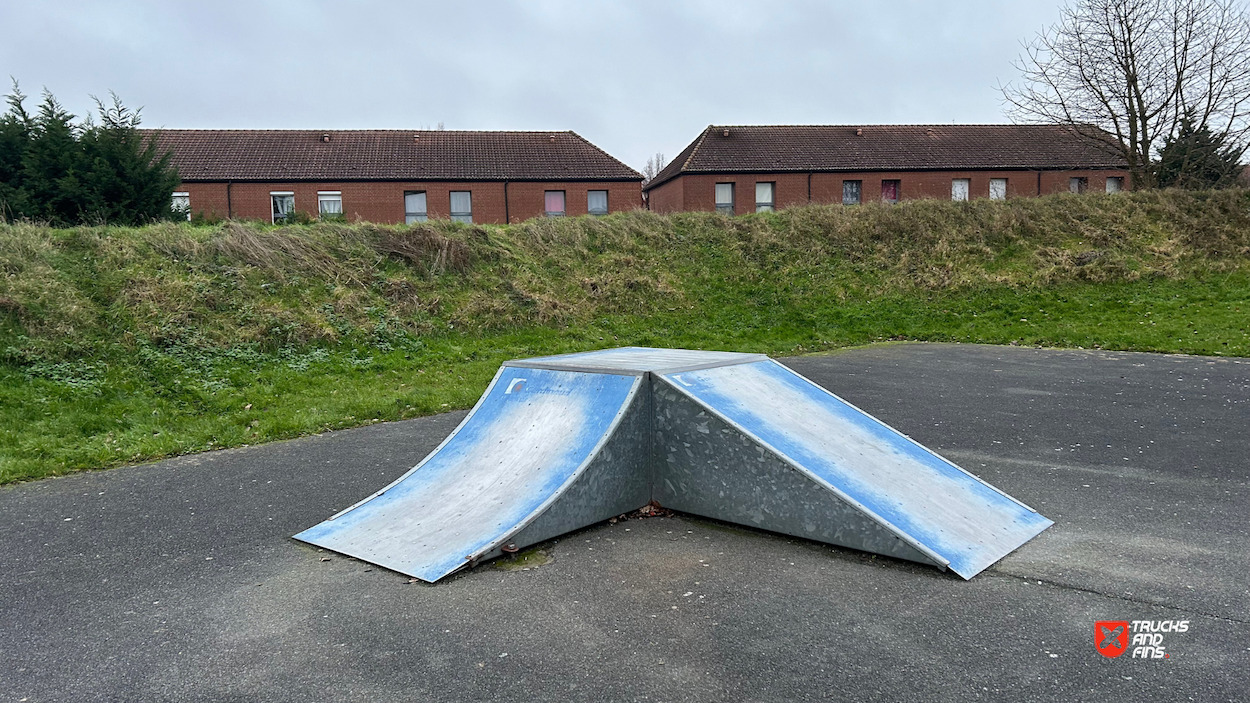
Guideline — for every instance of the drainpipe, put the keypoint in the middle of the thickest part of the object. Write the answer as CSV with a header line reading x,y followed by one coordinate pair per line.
x,y
507,219
809,188
229,205
1039,183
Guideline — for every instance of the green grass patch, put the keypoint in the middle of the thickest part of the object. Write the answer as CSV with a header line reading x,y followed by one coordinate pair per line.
x,y
125,345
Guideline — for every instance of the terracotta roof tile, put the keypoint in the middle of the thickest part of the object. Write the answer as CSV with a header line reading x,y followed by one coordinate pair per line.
x,y
889,148
274,155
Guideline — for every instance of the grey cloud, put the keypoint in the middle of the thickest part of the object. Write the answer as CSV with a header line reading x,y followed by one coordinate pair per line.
x,y
634,77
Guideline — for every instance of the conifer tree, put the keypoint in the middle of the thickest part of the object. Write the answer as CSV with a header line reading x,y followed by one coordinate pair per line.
x,y
1197,158
55,170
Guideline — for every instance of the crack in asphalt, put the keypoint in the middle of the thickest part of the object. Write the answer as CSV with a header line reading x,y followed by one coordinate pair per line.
x,y
1104,594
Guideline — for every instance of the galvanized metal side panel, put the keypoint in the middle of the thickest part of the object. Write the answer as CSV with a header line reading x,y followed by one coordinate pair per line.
x,y
941,507
708,467
531,433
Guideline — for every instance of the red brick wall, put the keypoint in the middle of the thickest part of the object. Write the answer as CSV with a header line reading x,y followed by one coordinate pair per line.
x,y
698,191
667,197
383,202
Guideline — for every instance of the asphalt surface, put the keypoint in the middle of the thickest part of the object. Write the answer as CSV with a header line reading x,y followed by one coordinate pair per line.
x,y
177,581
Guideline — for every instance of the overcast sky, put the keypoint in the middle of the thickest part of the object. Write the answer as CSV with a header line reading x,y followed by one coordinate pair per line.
x,y
633,77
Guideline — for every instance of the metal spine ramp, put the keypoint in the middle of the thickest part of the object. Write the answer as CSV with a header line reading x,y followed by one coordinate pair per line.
x,y
559,443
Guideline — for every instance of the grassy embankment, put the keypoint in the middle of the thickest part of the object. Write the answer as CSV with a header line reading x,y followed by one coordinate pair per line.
x,y
120,345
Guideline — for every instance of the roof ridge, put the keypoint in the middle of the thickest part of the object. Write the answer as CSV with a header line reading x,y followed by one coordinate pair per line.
x,y
380,131
907,124
698,143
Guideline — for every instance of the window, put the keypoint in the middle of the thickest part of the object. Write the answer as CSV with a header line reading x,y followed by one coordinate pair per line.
x,y
889,191
414,206
1115,184
725,198
1078,185
764,197
181,204
960,188
283,205
852,192
998,189
597,202
553,203
330,204
461,206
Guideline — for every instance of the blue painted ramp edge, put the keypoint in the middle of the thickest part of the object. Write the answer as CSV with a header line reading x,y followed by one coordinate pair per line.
x,y
923,498
529,437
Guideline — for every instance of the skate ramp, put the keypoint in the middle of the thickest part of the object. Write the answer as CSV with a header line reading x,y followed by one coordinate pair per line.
x,y
534,435
776,451
560,443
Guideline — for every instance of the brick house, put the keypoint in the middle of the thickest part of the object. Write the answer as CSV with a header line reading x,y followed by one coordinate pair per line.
x,y
736,170
394,176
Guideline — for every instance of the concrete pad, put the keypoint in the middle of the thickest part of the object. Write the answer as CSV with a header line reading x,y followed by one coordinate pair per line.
x,y
177,581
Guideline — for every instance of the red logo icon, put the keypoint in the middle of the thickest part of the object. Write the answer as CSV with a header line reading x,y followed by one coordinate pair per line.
x,y
1111,637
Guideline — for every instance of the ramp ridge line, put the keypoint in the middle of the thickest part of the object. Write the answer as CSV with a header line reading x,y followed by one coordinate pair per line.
x,y
952,464
436,450
912,542
577,473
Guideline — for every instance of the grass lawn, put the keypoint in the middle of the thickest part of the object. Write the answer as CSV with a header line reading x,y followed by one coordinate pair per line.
x,y
130,345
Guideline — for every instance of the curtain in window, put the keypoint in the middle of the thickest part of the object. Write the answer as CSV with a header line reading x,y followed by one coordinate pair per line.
x,y
1115,184
461,206
554,202
998,189
331,205
889,191
763,197
414,208
283,205
724,194
597,202
851,192
959,188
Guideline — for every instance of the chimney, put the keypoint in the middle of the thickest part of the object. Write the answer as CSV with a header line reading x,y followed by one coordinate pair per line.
x,y
325,137
725,133
859,132
553,139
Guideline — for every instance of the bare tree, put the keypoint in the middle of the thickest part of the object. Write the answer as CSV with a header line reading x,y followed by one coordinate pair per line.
x,y
655,164
1135,68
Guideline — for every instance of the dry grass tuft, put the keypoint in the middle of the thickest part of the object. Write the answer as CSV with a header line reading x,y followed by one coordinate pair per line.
x,y
425,250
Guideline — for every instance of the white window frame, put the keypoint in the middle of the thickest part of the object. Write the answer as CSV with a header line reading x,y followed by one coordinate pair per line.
x,y
564,200
769,205
466,217
1119,184
185,205
329,196
414,216
723,207
961,189
1001,193
606,206
281,194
